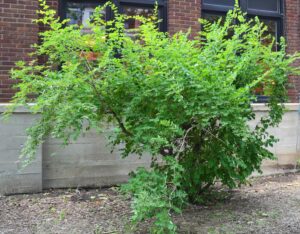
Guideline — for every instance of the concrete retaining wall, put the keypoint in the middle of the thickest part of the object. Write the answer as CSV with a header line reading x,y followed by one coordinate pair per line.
x,y
13,136
287,149
86,162
89,162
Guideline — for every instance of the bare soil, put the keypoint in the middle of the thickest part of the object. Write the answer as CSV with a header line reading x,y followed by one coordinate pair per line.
x,y
269,205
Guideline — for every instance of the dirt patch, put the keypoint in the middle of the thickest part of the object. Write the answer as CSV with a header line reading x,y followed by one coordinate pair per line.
x,y
269,205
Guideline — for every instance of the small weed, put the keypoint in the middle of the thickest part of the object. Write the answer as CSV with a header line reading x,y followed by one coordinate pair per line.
x,y
274,214
261,222
221,215
65,198
298,164
263,214
267,214
212,230
97,229
52,209
62,215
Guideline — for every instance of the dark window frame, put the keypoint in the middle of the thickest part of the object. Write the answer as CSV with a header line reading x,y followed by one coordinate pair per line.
x,y
162,6
277,16
216,8
262,14
62,10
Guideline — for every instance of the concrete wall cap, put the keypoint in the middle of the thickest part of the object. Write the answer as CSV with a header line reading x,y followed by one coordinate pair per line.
x,y
256,107
264,107
19,109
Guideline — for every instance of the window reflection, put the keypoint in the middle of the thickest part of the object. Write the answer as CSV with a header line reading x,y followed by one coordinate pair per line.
x,y
266,5
80,13
133,11
271,24
272,30
212,17
219,2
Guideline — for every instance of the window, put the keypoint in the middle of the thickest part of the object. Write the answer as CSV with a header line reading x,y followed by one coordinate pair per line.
x,y
135,10
79,11
269,11
145,11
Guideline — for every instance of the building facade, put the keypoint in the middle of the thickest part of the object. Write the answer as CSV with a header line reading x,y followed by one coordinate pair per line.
x,y
18,32
88,161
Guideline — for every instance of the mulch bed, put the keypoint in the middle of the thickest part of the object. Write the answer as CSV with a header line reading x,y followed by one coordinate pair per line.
x,y
269,205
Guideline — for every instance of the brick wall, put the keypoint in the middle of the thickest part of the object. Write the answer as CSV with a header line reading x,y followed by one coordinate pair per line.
x,y
17,33
183,15
292,33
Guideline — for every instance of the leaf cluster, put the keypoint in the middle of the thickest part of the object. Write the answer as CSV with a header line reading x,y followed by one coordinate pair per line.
x,y
156,194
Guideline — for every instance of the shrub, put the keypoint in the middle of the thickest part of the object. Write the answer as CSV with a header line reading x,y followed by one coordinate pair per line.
x,y
185,100
156,194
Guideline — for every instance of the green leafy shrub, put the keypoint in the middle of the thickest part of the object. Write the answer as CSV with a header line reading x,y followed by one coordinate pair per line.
x,y
186,101
156,194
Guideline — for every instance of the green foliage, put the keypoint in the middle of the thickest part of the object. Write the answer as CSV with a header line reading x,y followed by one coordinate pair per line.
x,y
156,193
187,100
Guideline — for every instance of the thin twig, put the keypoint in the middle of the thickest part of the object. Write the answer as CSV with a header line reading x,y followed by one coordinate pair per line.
x,y
183,139
120,122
